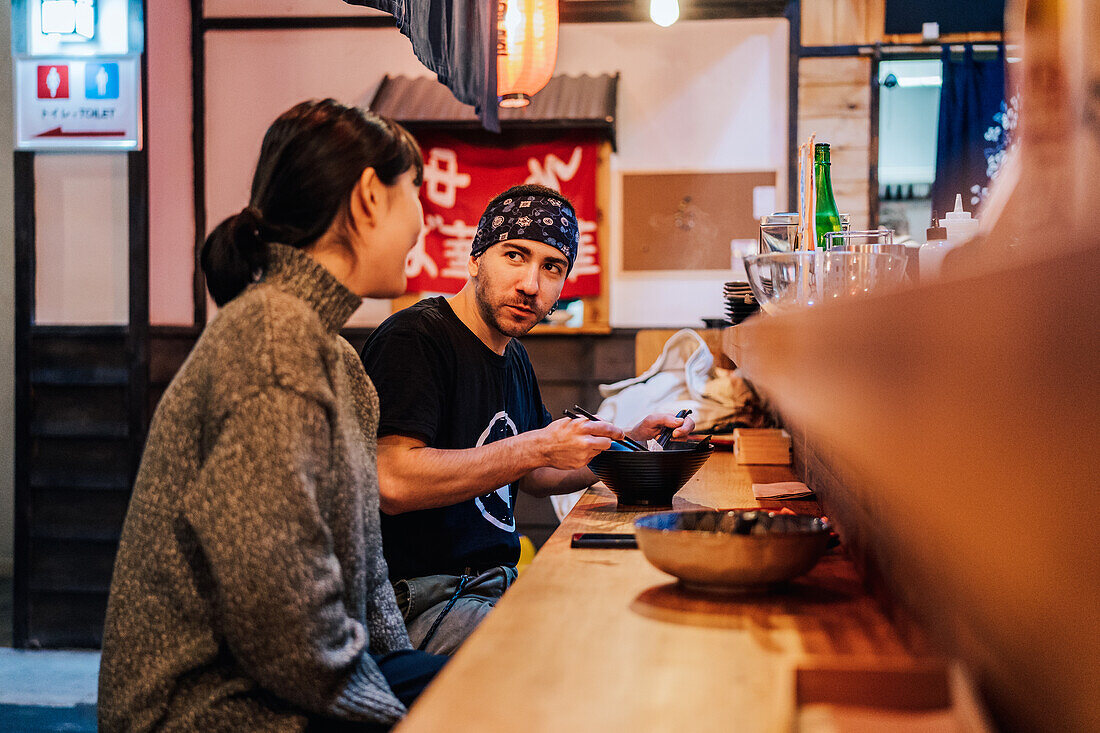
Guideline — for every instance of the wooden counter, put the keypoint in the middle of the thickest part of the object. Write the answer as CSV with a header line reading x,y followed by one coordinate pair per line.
x,y
600,640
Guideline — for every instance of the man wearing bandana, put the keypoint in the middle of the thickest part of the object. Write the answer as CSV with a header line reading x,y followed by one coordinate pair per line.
x,y
463,426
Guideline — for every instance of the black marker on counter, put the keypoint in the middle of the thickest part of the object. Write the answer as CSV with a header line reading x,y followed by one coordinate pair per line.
x,y
604,541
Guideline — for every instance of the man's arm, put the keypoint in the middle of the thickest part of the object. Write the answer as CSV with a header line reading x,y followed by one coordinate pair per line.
x,y
548,481
413,476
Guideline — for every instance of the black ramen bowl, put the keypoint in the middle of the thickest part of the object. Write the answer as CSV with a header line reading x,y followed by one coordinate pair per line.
x,y
649,478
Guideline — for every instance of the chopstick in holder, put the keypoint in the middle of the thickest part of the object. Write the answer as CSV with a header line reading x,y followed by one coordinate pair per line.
x,y
626,441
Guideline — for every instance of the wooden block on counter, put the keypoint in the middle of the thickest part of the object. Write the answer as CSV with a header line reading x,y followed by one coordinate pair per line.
x,y
731,344
858,696
916,685
762,446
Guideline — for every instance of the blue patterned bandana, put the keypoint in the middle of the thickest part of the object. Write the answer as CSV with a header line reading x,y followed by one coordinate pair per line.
x,y
537,218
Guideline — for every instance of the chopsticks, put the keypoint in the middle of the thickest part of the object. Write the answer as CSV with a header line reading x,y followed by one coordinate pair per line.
x,y
626,440
666,433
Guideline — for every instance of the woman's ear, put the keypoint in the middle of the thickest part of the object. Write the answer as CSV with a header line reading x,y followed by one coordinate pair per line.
x,y
368,198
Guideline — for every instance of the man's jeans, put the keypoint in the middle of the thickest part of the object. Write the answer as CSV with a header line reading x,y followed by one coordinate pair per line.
x,y
422,600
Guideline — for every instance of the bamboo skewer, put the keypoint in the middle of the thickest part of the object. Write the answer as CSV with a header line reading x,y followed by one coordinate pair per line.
x,y
807,212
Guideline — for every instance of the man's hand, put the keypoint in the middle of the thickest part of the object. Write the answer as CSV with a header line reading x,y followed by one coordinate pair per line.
x,y
571,443
652,425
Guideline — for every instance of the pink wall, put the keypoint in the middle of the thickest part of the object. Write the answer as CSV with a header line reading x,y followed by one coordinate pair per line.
x,y
171,174
82,252
253,76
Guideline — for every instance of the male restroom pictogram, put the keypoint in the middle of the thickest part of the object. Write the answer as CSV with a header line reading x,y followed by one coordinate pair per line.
x,y
101,81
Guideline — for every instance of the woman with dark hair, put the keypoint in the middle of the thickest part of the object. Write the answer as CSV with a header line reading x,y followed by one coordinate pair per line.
x,y
249,591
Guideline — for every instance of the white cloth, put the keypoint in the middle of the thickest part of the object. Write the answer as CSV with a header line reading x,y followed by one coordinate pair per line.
x,y
781,490
680,379
676,381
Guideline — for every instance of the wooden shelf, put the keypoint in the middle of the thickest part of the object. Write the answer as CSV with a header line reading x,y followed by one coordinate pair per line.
x,y
950,431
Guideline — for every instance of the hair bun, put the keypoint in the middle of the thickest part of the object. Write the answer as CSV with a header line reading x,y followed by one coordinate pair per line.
x,y
251,218
233,253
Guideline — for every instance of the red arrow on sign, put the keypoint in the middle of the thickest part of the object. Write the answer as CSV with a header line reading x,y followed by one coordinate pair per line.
x,y
58,132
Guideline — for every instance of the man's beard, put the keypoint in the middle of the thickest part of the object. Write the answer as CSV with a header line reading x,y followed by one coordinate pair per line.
x,y
491,312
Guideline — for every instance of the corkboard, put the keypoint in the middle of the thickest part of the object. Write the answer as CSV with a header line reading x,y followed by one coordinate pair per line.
x,y
686,221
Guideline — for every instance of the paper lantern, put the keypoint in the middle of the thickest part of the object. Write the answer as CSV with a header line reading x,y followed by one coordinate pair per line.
x,y
664,12
527,48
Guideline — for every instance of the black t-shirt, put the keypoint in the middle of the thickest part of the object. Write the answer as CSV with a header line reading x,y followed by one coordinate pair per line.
x,y
439,383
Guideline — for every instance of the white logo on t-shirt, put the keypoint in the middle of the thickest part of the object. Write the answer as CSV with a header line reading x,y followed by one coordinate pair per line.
x,y
496,506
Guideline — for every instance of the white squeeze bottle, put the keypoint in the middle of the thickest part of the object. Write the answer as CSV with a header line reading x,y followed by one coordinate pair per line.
x,y
960,226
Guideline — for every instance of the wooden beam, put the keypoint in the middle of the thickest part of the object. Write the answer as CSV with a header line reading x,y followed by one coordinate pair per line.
x,y
198,156
25,227
137,332
295,23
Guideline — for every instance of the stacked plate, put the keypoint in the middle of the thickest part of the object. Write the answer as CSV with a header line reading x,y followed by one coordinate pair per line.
x,y
740,303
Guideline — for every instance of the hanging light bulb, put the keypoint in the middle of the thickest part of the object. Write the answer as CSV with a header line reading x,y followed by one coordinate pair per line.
x,y
664,12
527,48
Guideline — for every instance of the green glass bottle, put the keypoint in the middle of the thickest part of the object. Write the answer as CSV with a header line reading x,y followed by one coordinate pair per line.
x,y
827,217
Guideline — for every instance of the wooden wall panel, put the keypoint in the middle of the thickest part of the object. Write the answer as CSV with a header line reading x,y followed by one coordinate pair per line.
x,y
842,22
840,100
857,22
838,68
838,131
874,20
834,102
79,458
817,23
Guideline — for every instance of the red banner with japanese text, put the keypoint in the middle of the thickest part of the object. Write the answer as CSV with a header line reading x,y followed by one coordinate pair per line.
x,y
460,179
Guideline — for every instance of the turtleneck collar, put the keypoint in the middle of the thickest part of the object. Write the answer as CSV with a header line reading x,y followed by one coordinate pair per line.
x,y
295,272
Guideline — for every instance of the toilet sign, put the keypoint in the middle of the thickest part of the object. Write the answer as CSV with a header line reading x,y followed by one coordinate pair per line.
x,y
53,81
101,81
78,103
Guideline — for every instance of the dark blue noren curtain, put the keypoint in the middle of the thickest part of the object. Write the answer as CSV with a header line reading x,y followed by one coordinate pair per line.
x,y
975,127
456,39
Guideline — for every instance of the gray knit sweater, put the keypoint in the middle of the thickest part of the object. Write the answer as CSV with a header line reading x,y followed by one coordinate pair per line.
x,y
249,584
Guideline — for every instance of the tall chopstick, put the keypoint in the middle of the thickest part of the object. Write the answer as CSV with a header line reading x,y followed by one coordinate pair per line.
x,y
631,445
575,416
626,439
